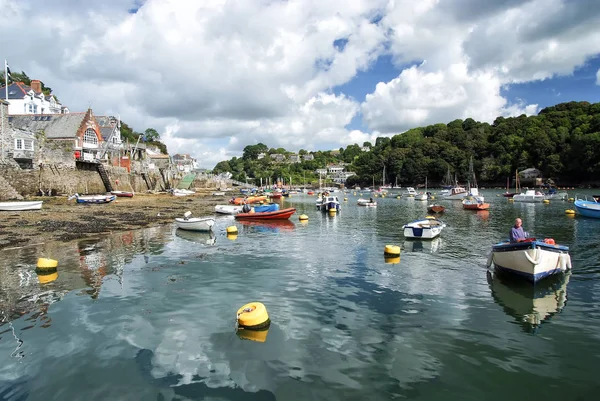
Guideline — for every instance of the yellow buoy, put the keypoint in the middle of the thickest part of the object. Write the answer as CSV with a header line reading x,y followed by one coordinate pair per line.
x,y
44,264
345,199
430,217
398,197
571,200
433,197
232,237
511,200
570,211
232,230
391,251
302,217
253,316
253,335
392,260
47,278
546,201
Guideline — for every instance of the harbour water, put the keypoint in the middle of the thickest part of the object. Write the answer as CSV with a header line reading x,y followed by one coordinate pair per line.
x,y
149,314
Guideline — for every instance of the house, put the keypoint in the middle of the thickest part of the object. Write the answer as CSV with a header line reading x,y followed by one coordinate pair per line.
x,y
17,147
294,159
308,157
110,129
24,99
365,149
66,137
335,169
185,162
157,160
277,157
321,171
261,156
529,173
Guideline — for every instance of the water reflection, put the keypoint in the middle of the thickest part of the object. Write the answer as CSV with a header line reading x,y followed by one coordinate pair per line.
x,y
422,246
204,238
267,226
529,304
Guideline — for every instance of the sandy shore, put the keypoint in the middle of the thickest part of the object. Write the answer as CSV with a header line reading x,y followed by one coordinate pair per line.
x,y
64,220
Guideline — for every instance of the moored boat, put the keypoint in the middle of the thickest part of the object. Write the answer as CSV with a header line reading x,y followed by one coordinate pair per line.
x,y
530,259
328,202
228,209
588,208
530,196
20,206
281,214
434,208
423,229
456,193
249,200
93,199
366,202
474,203
122,194
194,223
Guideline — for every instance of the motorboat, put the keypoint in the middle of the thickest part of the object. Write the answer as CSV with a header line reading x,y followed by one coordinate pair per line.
x,y
427,228
366,202
471,202
410,192
552,193
328,202
271,207
194,223
93,199
20,206
532,259
588,208
228,209
455,193
281,214
530,196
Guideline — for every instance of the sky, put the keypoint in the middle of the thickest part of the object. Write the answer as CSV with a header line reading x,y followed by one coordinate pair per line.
x,y
214,76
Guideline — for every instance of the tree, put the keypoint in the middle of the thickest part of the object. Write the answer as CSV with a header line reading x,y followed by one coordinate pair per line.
x,y
151,135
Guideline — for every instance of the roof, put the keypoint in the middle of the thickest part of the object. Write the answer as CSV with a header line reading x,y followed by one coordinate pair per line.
x,y
105,121
106,132
53,125
16,90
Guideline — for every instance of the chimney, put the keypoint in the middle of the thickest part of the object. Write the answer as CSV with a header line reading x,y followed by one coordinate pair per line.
x,y
36,85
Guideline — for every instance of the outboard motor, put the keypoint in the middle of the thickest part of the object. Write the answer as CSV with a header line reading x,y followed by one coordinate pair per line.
x,y
246,208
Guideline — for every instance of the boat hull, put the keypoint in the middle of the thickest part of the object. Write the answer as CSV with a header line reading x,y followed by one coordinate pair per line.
x,y
195,224
423,229
532,260
96,199
588,208
476,206
282,214
436,209
228,209
249,200
122,194
20,206
366,202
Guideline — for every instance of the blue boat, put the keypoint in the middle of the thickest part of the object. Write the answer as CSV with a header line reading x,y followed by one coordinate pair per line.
x,y
588,208
272,207
93,198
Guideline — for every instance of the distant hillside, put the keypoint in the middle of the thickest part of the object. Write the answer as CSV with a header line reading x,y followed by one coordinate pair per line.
x,y
562,141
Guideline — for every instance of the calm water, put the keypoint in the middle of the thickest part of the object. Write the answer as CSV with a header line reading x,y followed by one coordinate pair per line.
x,y
149,314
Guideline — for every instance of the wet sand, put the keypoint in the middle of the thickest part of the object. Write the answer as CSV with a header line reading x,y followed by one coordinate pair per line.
x,y
65,220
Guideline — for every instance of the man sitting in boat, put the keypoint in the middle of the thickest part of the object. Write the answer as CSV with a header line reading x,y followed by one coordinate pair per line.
x,y
517,234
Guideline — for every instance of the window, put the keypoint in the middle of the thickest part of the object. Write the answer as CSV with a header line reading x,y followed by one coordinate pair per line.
x,y
24,144
90,136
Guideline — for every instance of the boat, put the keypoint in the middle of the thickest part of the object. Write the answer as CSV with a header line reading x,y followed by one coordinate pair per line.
x,y
228,209
276,194
410,192
182,192
531,259
92,198
435,208
20,206
366,202
427,228
509,194
218,193
471,202
447,181
552,193
281,214
588,208
271,207
530,196
248,199
328,202
199,237
194,223
122,194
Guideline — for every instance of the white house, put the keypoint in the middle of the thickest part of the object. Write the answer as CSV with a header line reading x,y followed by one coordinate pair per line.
x,y
335,169
25,99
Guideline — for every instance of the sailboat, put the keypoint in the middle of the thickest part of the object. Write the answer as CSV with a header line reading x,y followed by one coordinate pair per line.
x,y
474,201
447,182
423,195
511,194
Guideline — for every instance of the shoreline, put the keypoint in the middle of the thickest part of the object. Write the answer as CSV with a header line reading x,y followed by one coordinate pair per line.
x,y
64,220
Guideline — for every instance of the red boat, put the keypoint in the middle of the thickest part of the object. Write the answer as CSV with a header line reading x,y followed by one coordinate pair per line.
x,y
476,206
509,194
122,194
282,214
436,209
